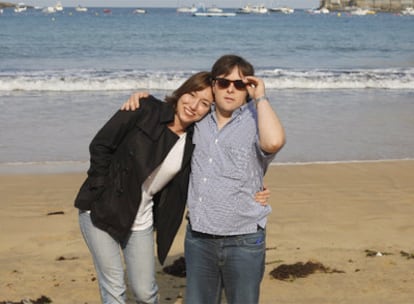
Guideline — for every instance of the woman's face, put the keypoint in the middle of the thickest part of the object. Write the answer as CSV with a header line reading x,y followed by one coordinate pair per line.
x,y
191,107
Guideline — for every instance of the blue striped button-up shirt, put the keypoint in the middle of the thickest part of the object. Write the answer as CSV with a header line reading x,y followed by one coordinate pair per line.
x,y
227,170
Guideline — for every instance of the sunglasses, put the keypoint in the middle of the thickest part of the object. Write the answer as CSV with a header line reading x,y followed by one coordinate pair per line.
x,y
224,83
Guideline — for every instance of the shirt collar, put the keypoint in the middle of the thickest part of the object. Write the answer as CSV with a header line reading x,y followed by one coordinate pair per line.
x,y
235,113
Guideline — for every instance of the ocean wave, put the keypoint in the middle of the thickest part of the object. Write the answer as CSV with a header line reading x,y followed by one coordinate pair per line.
x,y
107,80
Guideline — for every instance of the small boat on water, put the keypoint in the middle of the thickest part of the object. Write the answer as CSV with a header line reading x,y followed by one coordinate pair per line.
x,y
362,12
252,9
244,10
408,11
214,9
187,10
207,14
81,9
139,11
283,10
49,10
20,7
58,7
323,10
107,11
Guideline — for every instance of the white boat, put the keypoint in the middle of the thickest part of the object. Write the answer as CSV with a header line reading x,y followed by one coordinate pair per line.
x,y
20,7
214,9
207,14
187,10
259,9
283,10
49,10
81,9
1,11
139,11
244,10
408,11
252,9
323,10
362,12
58,7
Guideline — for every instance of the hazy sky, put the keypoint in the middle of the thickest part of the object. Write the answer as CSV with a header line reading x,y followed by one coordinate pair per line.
x,y
171,3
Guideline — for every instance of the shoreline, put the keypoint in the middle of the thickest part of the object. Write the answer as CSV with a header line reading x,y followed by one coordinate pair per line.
x,y
62,167
326,213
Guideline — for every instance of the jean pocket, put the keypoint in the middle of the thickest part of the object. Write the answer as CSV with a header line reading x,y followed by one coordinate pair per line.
x,y
255,240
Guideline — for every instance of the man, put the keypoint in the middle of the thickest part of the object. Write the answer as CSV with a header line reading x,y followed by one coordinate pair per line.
x,y
234,144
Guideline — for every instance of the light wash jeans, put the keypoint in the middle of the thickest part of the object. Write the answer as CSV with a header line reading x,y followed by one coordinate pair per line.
x,y
138,253
233,263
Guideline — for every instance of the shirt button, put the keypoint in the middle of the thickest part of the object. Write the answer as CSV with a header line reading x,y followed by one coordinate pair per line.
x,y
204,179
210,160
200,199
216,141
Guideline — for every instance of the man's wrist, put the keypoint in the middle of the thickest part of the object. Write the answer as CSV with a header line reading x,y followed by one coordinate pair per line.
x,y
261,98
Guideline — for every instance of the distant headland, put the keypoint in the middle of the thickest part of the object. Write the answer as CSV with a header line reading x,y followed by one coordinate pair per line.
x,y
375,5
6,4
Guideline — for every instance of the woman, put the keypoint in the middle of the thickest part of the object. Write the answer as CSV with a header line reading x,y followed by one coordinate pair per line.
x,y
137,180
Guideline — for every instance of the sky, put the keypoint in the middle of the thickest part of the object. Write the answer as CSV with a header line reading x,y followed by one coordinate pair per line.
x,y
171,3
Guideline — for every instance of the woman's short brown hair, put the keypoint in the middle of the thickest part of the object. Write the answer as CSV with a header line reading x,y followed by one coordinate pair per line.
x,y
196,82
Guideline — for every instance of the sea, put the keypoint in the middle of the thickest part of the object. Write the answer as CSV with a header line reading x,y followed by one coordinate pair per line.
x,y
342,85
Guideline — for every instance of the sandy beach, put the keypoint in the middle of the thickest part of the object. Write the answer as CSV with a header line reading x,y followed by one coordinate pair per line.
x,y
355,218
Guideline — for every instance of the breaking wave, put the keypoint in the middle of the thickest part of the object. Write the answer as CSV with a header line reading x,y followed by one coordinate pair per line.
x,y
108,80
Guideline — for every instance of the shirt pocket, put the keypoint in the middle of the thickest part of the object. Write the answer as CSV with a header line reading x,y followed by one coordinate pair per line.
x,y
235,163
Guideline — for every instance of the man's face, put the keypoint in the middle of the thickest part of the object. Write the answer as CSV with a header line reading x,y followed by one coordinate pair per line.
x,y
230,98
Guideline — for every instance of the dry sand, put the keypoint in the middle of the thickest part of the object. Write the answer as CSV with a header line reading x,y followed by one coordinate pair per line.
x,y
326,213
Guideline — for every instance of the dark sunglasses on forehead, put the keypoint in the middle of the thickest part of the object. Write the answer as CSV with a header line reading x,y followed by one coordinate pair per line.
x,y
224,83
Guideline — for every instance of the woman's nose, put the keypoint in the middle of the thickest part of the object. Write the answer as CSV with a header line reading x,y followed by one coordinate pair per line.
x,y
194,104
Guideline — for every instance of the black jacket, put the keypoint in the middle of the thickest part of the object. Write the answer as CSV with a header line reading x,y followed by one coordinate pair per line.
x,y
123,154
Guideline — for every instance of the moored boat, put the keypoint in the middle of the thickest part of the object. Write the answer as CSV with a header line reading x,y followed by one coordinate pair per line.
x,y
362,12
323,10
408,11
207,14
49,10
214,9
283,10
252,9
20,7
139,11
80,8
190,10
58,7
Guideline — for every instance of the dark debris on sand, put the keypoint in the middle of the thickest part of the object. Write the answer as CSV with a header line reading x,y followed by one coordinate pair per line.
x,y
374,253
55,213
300,270
177,269
41,300
407,255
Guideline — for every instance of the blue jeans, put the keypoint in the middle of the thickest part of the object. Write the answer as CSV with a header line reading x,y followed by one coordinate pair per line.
x,y
233,263
138,253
